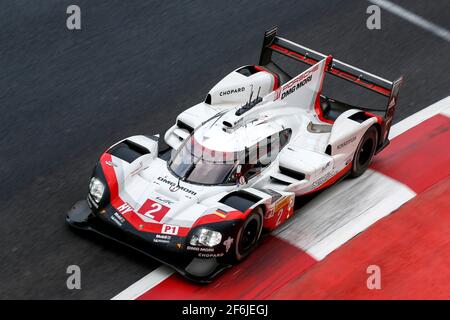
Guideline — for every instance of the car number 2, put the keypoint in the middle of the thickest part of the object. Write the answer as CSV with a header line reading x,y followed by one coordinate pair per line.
x,y
153,210
156,207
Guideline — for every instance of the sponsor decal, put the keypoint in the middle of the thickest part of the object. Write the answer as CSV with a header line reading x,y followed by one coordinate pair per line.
x,y
281,210
161,238
210,255
153,210
199,249
115,217
231,91
346,142
295,84
166,201
169,229
173,184
298,85
282,203
322,180
118,217
155,240
227,243
124,208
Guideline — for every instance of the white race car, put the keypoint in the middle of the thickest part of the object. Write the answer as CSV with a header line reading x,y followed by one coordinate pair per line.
x,y
235,163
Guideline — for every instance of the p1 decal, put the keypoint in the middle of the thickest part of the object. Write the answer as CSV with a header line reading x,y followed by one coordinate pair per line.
x,y
168,229
154,210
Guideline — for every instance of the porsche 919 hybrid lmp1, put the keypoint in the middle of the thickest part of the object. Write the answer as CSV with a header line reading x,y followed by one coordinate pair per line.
x,y
234,165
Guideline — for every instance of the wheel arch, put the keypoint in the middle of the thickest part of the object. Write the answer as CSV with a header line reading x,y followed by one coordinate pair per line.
x,y
244,201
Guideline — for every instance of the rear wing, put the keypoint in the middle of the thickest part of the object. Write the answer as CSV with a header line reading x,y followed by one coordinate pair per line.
x,y
273,43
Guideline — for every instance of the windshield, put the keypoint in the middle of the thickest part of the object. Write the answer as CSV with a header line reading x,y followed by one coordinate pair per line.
x,y
196,164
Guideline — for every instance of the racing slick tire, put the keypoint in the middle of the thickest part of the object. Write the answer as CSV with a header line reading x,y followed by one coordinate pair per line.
x,y
364,152
248,235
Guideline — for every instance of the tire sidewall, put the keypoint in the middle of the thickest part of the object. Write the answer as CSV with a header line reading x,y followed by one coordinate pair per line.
x,y
257,215
357,169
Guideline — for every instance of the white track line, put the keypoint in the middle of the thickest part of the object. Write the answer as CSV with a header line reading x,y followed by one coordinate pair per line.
x,y
321,248
340,213
149,281
446,112
337,215
413,18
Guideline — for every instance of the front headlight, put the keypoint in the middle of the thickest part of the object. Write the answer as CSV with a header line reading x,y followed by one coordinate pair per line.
x,y
206,237
96,189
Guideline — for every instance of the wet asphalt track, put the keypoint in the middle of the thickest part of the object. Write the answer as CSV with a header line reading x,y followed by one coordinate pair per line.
x,y
67,95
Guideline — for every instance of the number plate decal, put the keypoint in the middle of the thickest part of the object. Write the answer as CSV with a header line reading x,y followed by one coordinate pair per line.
x,y
154,210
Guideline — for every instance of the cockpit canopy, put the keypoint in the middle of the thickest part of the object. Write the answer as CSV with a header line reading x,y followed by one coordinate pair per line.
x,y
195,163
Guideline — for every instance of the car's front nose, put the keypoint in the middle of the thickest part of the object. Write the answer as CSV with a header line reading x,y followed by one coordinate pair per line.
x,y
169,250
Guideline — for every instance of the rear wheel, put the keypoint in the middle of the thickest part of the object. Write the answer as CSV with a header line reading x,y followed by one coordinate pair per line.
x,y
248,234
364,153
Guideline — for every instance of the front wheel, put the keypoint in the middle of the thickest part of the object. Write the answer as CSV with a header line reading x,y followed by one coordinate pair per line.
x,y
364,152
248,235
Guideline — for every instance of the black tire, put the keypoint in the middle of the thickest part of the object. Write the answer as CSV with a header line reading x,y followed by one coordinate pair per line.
x,y
248,235
364,153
